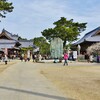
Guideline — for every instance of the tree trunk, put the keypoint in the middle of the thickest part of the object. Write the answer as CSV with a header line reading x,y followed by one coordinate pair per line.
x,y
64,43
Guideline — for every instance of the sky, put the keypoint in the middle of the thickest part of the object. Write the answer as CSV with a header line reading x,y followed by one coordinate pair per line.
x,y
30,17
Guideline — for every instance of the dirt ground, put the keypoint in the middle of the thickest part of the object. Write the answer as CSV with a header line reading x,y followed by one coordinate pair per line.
x,y
80,81
77,81
3,66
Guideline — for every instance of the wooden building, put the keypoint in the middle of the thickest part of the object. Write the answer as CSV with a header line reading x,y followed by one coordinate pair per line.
x,y
10,43
88,39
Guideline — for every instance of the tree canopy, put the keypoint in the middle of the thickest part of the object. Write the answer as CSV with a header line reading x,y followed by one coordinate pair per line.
x,y
42,44
20,38
65,29
94,48
5,7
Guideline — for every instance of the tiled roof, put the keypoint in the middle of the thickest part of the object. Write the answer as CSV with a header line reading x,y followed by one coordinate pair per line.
x,y
13,40
5,41
13,36
10,45
26,43
93,39
90,36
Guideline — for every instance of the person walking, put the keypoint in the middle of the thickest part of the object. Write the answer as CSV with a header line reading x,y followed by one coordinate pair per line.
x,y
65,59
34,57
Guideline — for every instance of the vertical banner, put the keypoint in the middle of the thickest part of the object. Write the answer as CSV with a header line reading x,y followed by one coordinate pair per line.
x,y
6,51
28,54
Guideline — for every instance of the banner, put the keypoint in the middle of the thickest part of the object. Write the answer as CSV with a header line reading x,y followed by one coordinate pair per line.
x,y
6,51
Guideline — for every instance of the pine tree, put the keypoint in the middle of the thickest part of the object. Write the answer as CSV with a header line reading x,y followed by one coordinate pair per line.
x,y
5,7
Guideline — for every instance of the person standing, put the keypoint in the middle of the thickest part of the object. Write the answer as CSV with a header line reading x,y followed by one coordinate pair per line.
x,y
87,57
65,59
98,58
25,57
91,58
34,57
6,59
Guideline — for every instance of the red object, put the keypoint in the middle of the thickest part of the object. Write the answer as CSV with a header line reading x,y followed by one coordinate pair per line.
x,y
65,56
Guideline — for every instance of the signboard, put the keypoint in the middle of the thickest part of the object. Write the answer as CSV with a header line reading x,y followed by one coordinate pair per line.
x,y
75,54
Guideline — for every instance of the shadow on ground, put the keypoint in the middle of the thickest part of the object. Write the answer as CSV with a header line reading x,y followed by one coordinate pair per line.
x,y
35,93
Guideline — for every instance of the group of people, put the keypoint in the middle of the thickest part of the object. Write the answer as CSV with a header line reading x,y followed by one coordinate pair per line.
x,y
35,57
89,58
38,57
92,58
24,57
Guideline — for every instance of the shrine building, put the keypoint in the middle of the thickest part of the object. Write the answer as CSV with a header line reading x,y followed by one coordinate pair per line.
x,y
88,39
10,43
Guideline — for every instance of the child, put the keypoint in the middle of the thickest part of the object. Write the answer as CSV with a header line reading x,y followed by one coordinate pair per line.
x,y
65,59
